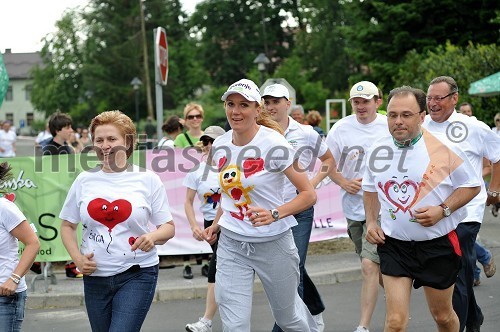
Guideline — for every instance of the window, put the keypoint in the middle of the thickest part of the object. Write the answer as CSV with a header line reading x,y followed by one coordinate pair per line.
x,y
30,117
27,92
9,96
9,117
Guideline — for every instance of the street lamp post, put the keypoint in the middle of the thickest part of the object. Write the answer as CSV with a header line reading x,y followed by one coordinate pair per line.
x,y
136,83
262,61
90,114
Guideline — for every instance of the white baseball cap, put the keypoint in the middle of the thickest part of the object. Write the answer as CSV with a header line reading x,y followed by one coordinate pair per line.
x,y
246,88
213,132
277,91
363,89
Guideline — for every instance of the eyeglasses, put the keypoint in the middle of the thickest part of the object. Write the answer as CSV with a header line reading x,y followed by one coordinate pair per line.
x,y
497,120
206,141
196,116
440,99
404,115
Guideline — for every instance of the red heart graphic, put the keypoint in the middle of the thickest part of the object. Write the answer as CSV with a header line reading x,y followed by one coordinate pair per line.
x,y
10,196
236,193
222,162
109,214
131,240
252,166
400,195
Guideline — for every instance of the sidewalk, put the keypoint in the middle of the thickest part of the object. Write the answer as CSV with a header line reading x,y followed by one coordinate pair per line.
x,y
323,270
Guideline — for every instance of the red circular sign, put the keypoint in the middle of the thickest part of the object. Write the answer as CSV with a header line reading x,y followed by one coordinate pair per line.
x,y
162,54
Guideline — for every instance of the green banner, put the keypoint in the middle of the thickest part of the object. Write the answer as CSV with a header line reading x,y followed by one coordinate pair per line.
x,y
38,187
4,80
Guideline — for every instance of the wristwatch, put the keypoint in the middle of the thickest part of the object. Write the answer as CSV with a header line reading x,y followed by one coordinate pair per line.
x,y
275,214
446,210
493,193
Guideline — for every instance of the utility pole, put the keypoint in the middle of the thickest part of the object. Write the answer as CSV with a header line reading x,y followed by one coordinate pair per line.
x,y
146,66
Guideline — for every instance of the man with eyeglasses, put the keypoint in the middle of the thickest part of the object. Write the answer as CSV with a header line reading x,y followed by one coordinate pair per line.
x,y
419,185
477,142
348,140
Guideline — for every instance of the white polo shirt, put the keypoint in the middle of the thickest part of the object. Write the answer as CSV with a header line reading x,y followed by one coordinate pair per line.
x,y
308,146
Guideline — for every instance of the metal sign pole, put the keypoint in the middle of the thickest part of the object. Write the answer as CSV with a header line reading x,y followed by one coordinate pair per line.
x,y
158,93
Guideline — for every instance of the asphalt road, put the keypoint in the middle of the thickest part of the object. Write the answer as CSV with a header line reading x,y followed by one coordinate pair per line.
x,y
341,300
341,313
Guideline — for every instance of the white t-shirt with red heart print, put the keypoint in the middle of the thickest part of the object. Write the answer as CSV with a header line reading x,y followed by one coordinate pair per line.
x,y
10,218
406,179
252,175
204,180
115,209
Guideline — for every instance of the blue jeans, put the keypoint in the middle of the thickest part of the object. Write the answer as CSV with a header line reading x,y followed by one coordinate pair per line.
x,y
120,302
12,312
464,301
483,256
307,290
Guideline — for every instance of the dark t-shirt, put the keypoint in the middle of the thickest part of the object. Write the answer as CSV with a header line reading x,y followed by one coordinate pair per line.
x,y
52,148
150,130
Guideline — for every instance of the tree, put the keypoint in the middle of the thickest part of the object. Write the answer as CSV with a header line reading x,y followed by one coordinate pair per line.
x,y
380,33
321,44
465,65
230,34
102,64
56,83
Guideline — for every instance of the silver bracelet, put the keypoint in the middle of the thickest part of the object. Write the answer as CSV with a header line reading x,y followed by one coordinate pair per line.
x,y
16,281
16,275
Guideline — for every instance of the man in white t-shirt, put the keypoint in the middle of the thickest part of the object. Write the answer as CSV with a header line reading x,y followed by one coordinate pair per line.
x,y
483,255
475,139
419,186
43,135
348,141
7,140
309,146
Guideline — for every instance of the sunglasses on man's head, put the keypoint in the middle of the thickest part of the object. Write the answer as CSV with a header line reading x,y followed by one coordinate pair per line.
x,y
195,116
205,141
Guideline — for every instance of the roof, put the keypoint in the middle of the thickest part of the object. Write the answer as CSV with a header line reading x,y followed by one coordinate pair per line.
x,y
19,65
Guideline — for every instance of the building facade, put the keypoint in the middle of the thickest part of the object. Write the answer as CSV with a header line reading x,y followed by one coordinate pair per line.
x,y
17,106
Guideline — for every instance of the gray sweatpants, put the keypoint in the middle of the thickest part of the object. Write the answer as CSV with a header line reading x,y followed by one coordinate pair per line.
x,y
276,263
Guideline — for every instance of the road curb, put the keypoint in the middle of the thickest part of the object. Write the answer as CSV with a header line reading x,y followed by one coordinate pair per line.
x,y
194,291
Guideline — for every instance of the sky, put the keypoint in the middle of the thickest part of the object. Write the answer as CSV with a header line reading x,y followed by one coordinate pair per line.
x,y
23,23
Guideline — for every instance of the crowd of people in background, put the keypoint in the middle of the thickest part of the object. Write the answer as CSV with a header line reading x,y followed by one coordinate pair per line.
x,y
270,208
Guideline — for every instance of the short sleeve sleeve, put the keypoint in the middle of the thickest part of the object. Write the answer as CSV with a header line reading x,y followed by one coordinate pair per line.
x,y
159,202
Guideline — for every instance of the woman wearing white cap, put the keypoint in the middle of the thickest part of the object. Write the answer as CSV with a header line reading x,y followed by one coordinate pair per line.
x,y
203,181
255,223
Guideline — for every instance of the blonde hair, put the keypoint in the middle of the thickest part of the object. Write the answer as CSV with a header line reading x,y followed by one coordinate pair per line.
x,y
313,118
191,107
120,121
497,116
